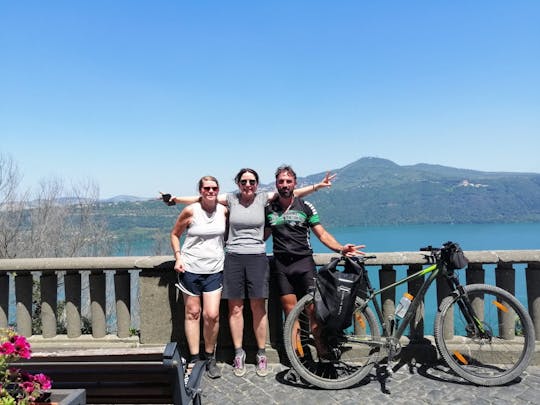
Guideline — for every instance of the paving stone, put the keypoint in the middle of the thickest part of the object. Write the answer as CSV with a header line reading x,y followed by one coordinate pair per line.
x,y
422,386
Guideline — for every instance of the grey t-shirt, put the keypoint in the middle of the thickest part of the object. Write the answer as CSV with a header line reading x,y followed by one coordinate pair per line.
x,y
246,225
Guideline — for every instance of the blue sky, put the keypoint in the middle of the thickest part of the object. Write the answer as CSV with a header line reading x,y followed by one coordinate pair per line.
x,y
141,96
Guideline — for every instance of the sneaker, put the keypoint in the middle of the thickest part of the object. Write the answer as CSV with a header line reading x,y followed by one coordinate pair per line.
x,y
240,365
262,366
212,369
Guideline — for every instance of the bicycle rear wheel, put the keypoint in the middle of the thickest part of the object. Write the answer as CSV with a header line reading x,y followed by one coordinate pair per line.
x,y
497,352
345,359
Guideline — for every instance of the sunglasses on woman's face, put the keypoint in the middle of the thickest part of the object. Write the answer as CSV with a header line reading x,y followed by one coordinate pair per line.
x,y
210,188
251,182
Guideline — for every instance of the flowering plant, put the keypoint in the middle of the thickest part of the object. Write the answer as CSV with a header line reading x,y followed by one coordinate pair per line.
x,y
16,386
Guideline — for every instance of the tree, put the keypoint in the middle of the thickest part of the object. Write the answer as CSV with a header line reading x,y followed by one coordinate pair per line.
x,y
11,207
56,223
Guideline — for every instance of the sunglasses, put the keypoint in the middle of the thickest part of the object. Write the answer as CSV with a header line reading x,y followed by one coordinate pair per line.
x,y
210,188
251,182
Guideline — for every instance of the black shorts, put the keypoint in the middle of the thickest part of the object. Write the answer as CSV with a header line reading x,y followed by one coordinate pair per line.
x,y
245,276
294,274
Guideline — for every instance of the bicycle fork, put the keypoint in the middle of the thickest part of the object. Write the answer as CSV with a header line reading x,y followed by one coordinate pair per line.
x,y
474,326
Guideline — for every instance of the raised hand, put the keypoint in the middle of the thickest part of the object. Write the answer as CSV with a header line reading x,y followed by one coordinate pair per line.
x,y
327,181
167,199
352,250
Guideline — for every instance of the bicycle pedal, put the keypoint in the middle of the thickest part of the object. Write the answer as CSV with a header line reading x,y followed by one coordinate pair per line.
x,y
390,370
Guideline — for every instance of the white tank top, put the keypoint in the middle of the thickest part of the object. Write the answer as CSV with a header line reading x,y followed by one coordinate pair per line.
x,y
202,250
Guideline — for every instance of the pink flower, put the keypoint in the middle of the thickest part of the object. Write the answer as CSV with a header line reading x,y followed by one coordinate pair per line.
x,y
7,348
43,381
22,346
25,353
27,386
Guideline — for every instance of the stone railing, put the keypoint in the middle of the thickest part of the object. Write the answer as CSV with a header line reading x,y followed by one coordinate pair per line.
x,y
147,310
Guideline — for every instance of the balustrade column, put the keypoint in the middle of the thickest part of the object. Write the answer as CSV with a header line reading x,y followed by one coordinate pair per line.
x,y
417,328
123,303
49,286
476,274
97,303
23,294
72,285
505,277
443,291
532,273
387,276
4,300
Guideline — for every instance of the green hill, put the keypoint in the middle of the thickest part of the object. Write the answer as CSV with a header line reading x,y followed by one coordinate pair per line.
x,y
373,191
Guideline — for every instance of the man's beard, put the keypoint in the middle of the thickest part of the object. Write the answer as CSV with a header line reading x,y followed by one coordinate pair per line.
x,y
285,192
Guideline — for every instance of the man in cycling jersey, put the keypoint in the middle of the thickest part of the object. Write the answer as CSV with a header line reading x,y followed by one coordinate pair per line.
x,y
289,219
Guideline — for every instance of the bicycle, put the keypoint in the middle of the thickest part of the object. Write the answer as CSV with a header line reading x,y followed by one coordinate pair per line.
x,y
482,332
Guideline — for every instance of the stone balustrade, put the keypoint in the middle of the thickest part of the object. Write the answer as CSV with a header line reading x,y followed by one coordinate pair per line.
x,y
156,311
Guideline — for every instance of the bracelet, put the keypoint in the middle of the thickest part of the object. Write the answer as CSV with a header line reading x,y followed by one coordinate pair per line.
x,y
314,189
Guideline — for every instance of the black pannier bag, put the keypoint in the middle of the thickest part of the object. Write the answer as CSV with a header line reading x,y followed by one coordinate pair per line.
x,y
454,256
335,293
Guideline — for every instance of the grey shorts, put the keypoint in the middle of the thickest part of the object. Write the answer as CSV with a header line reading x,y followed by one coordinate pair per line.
x,y
245,276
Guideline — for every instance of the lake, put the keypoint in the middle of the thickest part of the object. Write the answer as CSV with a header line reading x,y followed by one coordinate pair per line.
x,y
412,237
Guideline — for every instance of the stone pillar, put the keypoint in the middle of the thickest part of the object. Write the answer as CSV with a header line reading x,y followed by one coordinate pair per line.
x,y
443,291
123,303
72,285
49,286
505,277
476,275
416,328
387,276
98,303
532,273
4,300
23,293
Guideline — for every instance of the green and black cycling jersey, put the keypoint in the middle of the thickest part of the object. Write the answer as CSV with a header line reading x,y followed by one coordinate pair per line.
x,y
290,226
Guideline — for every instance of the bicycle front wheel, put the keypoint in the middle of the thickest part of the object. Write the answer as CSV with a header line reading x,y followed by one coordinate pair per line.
x,y
331,362
496,348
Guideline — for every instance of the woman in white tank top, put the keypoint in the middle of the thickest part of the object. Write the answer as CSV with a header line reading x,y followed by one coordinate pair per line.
x,y
199,264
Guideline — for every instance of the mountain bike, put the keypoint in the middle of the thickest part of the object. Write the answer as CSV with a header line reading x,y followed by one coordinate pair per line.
x,y
482,332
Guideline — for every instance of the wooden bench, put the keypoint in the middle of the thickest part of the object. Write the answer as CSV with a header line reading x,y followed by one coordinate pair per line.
x,y
121,376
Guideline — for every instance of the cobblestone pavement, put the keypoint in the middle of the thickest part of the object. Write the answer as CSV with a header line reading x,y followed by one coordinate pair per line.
x,y
408,385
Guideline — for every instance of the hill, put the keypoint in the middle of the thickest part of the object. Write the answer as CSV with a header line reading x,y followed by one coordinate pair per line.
x,y
373,191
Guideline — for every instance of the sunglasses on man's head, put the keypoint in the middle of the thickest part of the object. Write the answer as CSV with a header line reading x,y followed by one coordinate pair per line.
x,y
210,188
251,182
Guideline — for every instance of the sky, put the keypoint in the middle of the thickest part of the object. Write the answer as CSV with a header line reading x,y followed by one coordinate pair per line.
x,y
148,96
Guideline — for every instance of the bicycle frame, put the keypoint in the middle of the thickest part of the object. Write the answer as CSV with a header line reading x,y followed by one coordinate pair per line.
x,y
434,271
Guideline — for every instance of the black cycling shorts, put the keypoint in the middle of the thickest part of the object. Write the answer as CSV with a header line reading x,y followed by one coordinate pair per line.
x,y
294,274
